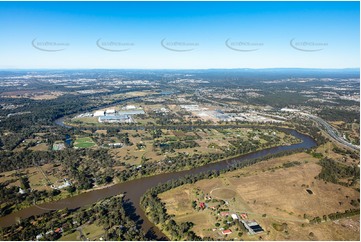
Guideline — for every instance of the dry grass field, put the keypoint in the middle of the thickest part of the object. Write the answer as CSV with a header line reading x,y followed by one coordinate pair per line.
x,y
271,194
39,147
32,94
47,96
38,176
101,131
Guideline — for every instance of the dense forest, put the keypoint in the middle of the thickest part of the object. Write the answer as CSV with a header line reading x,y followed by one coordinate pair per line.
x,y
338,173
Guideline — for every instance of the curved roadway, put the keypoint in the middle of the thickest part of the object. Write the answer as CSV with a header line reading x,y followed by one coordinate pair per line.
x,y
332,132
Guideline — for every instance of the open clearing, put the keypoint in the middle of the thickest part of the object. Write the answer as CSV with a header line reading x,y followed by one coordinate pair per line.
x,y
38,176
71,237
223,193
271,194
85,142
93,231
40,147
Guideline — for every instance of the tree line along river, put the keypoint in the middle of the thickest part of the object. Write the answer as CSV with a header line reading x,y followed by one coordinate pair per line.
x,y
134,189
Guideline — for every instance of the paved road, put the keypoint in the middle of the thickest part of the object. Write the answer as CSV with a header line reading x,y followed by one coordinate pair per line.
x,y
331,131
200,95
322,123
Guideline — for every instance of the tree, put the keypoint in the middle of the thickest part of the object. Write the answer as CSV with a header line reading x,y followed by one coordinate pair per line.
x,y
194,204
71,189
24,183
55,192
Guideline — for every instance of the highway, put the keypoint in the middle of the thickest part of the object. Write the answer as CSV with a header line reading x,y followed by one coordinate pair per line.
x,y
322,123
199,95
331,131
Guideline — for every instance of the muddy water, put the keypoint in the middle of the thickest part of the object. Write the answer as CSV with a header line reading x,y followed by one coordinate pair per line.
x,y
135,189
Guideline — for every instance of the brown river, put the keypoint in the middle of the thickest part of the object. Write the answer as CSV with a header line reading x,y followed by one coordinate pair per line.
x,y
134,189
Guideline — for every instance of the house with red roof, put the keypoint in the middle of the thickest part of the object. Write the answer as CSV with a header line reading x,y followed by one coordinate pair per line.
x,y
202,205
224,214
226,232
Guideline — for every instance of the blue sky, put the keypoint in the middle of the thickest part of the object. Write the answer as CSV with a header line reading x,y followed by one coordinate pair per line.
x,y
194,34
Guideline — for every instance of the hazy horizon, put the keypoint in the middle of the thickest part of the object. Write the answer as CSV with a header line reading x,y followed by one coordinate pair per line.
x,y
179,35
160,69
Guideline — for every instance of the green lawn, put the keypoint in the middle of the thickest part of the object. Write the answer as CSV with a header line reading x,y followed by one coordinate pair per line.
x,y
85,142
87,120
70,237
93,231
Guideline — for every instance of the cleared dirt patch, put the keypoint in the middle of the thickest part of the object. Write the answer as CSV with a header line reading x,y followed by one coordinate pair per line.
x,y
283,192
223,193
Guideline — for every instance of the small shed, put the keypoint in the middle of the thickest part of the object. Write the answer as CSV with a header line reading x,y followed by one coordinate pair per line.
x,y
244,216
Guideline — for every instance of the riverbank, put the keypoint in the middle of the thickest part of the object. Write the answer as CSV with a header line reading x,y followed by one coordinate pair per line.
x,y
296,194
134,189
169,168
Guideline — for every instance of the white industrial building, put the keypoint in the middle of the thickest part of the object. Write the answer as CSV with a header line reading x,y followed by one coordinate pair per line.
x,y
289,110
131,112
99,113
128,107
252,226
65,184
115,119
191,108
110,111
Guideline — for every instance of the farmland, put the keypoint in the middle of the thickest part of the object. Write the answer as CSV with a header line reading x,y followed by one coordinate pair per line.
x,y
145,147
271,192
54,147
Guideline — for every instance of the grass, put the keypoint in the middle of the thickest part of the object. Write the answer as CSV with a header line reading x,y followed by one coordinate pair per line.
x,y
85,142
280,193
101,131
132,155
70,237
279,227
327,150
93,231
39,147
88,120
36,178
52,95
223,193
38,182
